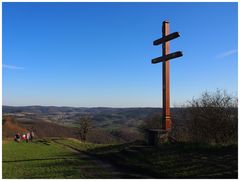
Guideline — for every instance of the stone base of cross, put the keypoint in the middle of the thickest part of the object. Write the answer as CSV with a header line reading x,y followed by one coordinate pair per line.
x,y
158,136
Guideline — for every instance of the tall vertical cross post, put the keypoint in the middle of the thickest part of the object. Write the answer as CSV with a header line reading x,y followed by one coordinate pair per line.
x,y
166,37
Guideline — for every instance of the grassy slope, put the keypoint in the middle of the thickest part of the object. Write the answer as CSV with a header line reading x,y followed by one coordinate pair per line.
x,y
166,161
182,160
42,129
45,159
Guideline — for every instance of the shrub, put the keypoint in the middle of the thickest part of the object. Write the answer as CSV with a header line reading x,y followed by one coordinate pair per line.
x,y
212,118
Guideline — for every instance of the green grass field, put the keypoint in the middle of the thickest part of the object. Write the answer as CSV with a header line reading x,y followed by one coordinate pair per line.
x,y
70,158
46,159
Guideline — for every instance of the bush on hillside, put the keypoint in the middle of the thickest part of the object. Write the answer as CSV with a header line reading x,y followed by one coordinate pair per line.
x,y
212,118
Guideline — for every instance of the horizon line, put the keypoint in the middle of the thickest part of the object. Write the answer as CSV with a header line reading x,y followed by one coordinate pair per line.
x,y
86,106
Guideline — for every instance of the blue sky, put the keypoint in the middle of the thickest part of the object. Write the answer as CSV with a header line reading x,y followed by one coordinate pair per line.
x,y
99,54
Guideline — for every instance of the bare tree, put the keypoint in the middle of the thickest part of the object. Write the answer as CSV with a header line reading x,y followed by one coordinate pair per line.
x,y
85,126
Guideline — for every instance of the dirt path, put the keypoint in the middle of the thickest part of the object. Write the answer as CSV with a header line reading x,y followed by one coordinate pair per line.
x,y
114,170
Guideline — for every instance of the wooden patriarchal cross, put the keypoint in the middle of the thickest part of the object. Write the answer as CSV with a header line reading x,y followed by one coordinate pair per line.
x,y
166,37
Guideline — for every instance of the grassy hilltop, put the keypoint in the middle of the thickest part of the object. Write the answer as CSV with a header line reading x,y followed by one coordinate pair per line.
x,y
70,158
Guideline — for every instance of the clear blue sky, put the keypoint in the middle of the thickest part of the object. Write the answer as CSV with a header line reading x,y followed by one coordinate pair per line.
x,y
99,54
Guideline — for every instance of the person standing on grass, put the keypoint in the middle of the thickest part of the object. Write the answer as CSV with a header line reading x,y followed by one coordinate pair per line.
x,y
23,136
31,135
28,137
17,137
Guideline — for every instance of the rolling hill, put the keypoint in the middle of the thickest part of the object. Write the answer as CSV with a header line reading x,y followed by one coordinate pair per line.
x,y
42,128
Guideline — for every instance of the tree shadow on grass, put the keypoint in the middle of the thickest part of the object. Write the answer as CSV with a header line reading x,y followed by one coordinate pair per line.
x,y
179,160
81,166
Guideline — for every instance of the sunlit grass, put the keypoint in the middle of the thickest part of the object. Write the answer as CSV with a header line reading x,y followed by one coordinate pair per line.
x,y
45,159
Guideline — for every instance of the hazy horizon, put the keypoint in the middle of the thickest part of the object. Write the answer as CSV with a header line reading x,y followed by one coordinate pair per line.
x,y
76,106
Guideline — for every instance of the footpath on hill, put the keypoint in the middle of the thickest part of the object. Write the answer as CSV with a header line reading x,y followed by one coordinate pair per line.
x,y
70,158
52,159
116,171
